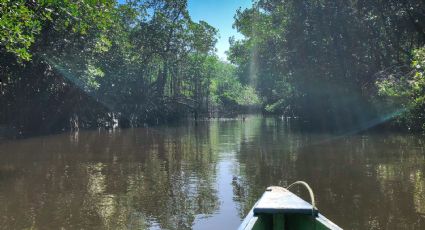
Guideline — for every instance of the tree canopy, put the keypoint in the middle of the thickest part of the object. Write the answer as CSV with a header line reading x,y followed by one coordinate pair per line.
x,y
321,60
85,63
338,64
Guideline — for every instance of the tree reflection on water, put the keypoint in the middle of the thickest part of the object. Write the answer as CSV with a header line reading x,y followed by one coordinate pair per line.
x,y
184,177
129,179
373,181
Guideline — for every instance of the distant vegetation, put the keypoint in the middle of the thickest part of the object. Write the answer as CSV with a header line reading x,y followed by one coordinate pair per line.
x,y
336,64
74,64
339,64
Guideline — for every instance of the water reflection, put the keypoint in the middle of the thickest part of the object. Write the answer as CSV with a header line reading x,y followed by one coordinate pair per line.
x,y
362,182
207,176
132,179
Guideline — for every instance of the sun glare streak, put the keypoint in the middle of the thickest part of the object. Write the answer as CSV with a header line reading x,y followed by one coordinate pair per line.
x,y
77,83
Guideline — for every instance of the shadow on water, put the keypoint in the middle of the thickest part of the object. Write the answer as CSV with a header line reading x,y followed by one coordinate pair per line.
x,y
207,176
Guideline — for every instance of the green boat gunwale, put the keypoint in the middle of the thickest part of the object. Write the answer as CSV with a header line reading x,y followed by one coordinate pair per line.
x,y
294,217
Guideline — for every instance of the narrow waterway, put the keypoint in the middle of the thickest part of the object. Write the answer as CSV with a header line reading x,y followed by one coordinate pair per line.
x,y
207,176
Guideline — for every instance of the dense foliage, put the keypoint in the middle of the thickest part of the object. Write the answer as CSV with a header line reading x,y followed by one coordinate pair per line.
x,y
70,64
333,62
338,64
404,88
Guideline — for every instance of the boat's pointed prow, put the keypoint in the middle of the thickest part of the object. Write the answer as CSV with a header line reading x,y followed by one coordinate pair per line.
x,y
279,208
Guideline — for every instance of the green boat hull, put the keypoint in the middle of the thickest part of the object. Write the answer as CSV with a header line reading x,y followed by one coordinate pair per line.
x,y
287,222
287,215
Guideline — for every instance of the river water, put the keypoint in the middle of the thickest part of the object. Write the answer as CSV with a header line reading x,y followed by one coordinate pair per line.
x,y
207,176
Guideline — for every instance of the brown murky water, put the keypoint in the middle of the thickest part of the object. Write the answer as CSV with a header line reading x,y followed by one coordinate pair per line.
x,y
207,177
